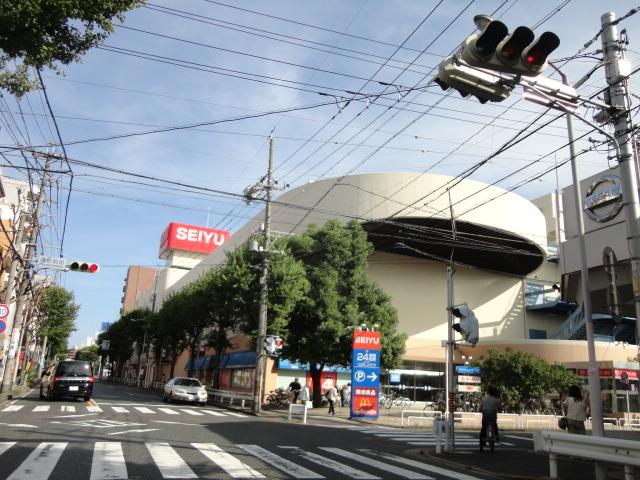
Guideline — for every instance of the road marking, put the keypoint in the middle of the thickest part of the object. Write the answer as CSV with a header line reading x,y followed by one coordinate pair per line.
x,y
168,411
144,409
40,463
42,408
291,468
170,464
120,410
214,413
108,462
190,412
227,462
332,464
179,423
13,408
134,431
21,425
236,414
420,465
94,408
68,408
4,446
384,466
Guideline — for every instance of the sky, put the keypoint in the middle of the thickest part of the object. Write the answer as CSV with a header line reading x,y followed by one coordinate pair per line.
x,y
344,85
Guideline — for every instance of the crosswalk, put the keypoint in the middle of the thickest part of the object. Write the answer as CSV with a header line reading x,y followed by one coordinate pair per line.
x,y
116,460
418,438
116,409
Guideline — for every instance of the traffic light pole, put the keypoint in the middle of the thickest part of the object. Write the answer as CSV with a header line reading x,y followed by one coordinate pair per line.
x,y
258,380
21,294
621,117
450,394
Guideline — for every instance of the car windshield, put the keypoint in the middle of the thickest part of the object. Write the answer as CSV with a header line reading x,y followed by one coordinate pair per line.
x,y
187,382
73,369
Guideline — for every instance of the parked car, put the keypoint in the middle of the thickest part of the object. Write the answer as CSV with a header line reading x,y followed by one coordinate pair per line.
x,y
67,378
185,389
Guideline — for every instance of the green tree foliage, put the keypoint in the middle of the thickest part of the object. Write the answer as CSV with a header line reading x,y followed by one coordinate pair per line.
x,y
123,334
521,377
56,305
46,33
340,298
90,354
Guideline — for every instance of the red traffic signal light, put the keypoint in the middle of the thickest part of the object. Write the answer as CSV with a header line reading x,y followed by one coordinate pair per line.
x,y
536,55
84,267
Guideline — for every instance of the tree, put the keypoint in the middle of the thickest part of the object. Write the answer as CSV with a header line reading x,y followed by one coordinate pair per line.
x,y
45,33
522,377
340,298
57,307
90,353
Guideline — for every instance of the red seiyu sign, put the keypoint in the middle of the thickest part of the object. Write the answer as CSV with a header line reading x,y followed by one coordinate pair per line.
x,y
363,340
190,238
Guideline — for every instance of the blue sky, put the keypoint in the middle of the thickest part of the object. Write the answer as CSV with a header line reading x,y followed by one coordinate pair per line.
x,y
298,54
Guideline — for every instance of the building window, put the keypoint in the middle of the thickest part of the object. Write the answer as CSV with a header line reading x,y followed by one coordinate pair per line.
x,y
537,334
241,377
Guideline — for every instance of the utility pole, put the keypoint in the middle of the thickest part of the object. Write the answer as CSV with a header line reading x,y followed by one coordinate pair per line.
x,y
258,382
621,116
21,295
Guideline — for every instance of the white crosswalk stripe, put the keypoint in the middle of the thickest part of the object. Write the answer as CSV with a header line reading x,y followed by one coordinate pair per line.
x,y
94,408
112,460
191,412
120,410
144,409
423,439
214,413
108,462
332,464
168,411
40,463
287,466
170,464
13,408
42,408
227,462
68,408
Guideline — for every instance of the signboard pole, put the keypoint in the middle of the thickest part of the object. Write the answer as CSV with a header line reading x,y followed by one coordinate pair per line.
x,y
450,408
365,374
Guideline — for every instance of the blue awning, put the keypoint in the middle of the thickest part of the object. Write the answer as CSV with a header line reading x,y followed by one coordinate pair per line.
x,y
238,360
201,363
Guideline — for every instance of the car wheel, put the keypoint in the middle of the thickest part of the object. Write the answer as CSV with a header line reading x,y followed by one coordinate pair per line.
x,y
87,398
202,404
171,398
41,394
164,397
50,396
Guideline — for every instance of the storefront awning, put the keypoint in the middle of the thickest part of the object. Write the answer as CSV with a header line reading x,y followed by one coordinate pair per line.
x,y
201,363
238,360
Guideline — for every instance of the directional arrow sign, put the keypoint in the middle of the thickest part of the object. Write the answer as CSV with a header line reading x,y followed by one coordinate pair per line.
x,y
372,376
365,377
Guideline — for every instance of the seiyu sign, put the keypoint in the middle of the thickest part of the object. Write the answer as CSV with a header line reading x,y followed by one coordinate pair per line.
x,y
365,374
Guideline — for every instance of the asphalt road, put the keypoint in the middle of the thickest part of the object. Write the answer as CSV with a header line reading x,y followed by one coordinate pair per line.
x,y
125,433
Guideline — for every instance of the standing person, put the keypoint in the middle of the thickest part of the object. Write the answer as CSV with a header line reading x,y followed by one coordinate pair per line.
x,y
489,406
575,410
344,394
295,387
305,395
332,397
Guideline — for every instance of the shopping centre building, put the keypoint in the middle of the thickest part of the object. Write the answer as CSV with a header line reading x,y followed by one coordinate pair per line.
x,y
516,265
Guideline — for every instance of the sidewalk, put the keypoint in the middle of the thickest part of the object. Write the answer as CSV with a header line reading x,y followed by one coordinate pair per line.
x,y
507,462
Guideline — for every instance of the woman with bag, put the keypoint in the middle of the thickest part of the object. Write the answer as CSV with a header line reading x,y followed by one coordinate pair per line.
x,y
575,410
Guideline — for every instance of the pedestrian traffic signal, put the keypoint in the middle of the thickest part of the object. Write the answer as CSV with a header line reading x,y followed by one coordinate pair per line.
x,y
518,53
273,345
470,81
85,267
468,326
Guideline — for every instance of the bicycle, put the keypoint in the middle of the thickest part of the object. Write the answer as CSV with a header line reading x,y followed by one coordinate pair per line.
x,y
491,437
490,433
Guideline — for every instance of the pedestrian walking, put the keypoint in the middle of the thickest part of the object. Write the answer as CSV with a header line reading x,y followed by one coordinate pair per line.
x,y
295,388
575,409
305,395
344,394
332,397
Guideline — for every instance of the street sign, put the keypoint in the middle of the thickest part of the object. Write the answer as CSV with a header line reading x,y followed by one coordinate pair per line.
x,y
365,374
468,379
56,263
4,310
467,370
3,326
468,388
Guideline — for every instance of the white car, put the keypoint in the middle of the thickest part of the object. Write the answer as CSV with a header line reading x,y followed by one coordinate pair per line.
x,y
185,389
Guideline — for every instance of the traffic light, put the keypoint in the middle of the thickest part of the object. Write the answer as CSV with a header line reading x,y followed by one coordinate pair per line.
x,y
468,326
273,345
85,267
470,81
518,53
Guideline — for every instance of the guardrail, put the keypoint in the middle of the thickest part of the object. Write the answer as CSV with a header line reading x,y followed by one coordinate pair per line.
x,y
602,449
298,409
225,397
424,415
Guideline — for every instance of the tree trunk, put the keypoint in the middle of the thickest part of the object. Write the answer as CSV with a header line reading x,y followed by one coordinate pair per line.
x,y
44,354
315,382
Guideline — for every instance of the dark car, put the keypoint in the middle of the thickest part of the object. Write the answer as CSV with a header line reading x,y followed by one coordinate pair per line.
x,y
67,378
